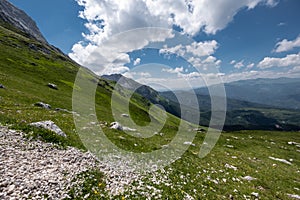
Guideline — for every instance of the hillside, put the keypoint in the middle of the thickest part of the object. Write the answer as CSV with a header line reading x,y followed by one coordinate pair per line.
x,y
17,20
241,115
38,164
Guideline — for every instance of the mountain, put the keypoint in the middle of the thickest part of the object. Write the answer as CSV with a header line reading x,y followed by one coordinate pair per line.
x,y
240,114
13,18
130,84
33,73
280,92
148,93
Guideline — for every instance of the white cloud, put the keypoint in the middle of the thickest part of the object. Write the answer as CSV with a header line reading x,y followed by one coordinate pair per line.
x,y
199,54
137,61
173,71
137,75
106,18
114,70
250,66
200,49
295,70
196,79
281,24
287,61
239,65
100,58
232,62
286,45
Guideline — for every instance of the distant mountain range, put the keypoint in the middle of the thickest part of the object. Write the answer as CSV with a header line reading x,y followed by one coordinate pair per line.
x,y
280,92
241,113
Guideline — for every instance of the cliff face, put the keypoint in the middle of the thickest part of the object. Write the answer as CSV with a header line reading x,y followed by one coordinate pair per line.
x,y
19,20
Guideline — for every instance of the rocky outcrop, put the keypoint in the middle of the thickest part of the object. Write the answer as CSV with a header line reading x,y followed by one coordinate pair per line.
x,y
52,86
20,20
43,105
49,125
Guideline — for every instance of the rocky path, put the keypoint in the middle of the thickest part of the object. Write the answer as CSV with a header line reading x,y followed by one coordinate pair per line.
x,y
37,170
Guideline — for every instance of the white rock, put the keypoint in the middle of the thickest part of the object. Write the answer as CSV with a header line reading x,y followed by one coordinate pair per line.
x,y
248,178
255,194
295,196
116,126
189,143
129,129
49,125
280,160
230,167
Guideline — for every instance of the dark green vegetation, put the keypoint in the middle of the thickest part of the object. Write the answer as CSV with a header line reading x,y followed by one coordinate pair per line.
x,y
27,66
241,114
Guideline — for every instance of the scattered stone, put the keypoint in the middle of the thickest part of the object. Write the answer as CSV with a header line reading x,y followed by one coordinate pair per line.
x,y
52,86
229,146
62,110
255,194
248,178
34,169
49,125
230,167
43,105
293,143
116,126
129,129
295,196
125,115
189,143
281,160
199,130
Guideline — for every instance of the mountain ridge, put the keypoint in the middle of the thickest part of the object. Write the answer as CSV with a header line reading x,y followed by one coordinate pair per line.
x,y
279,93
20,20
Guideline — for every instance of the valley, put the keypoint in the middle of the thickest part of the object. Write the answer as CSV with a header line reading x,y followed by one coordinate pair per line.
x,y
256,156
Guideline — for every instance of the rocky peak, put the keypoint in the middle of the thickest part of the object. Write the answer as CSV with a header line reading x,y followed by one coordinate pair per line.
x,y
19,20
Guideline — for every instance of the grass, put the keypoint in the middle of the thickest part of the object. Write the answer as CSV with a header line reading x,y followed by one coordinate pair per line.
x,y
25,72
91,185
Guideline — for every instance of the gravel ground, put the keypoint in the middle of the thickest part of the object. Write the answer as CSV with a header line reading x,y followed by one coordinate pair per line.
x,y
36,169
32,169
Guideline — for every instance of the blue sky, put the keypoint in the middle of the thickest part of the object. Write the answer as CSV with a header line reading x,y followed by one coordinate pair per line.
x,y
230,40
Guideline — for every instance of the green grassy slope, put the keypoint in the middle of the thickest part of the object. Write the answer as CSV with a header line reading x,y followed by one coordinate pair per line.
x,y
26,67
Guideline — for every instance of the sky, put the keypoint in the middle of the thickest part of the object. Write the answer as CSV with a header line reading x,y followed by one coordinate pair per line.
x,y
171,44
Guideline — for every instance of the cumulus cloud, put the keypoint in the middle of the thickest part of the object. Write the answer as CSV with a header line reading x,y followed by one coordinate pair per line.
x,y
281,24
137,61
199,54
250,66
106,18
287,61
295,70
286,45
232,62
137,75
114,52
200,49
239,65
173,71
